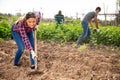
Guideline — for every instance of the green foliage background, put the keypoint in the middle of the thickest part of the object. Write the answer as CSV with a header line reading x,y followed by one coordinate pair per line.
x,y
109,35
63,32
6,21
5,29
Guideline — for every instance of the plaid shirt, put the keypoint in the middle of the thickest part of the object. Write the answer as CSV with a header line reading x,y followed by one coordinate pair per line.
x,y
22,28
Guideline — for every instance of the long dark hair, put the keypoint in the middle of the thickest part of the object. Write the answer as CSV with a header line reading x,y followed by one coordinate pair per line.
x,y
29,15
26,17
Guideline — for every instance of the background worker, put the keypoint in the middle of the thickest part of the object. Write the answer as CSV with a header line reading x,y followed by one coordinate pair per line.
x,y
85,25
59,18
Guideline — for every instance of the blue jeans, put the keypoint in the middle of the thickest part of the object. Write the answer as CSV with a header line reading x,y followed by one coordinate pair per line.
x,y
85,35
18,39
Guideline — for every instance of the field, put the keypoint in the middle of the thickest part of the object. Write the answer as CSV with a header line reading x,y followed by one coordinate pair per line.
x,y
61,61
58,58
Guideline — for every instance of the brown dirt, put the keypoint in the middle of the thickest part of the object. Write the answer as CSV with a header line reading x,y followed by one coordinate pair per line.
x,y
61,62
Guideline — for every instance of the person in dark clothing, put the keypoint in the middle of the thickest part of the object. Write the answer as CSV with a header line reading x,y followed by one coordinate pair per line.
x,y
59,18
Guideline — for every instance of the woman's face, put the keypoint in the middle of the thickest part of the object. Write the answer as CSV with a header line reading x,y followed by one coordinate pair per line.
x,y
31,22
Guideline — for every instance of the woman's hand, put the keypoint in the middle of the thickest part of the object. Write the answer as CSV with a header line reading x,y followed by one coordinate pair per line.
x,y
33,54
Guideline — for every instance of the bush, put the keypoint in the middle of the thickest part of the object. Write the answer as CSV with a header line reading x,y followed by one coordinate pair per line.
x,y
109,35
63,32
5,31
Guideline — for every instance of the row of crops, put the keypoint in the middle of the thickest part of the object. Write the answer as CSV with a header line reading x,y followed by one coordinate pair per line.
x,y
109,35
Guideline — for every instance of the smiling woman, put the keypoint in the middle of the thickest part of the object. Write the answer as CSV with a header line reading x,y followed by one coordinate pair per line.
x,y
30,20
22,32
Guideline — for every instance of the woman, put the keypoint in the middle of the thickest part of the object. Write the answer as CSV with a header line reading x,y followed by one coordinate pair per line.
x,y
22,32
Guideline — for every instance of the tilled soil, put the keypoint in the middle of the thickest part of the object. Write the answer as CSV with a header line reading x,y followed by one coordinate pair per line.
x,y
58,61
